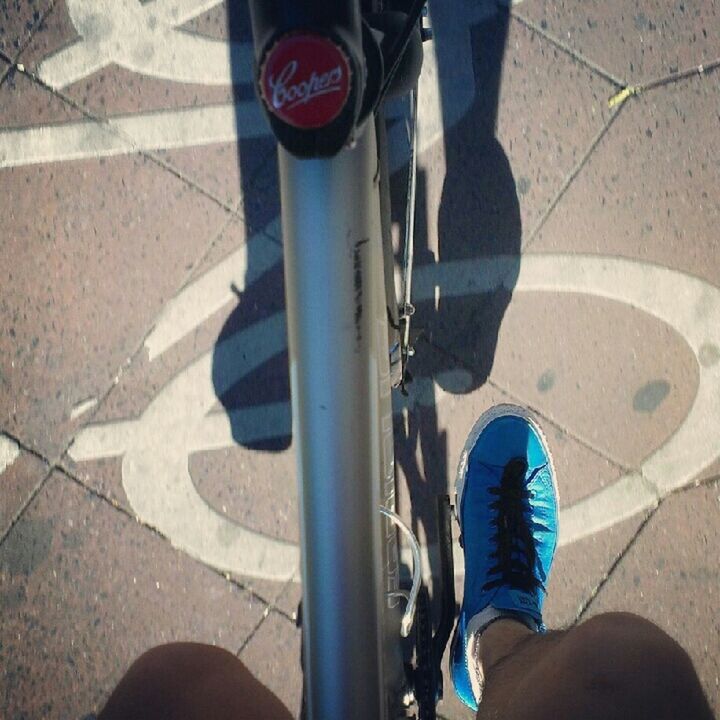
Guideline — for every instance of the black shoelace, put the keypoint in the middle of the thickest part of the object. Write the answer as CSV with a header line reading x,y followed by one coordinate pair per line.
x,y
515,547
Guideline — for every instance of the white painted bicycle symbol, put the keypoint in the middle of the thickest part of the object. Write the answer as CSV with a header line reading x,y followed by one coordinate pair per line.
x,y
144,37
179,413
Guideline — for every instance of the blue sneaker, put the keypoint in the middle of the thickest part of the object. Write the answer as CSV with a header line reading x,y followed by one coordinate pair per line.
x,y
507,508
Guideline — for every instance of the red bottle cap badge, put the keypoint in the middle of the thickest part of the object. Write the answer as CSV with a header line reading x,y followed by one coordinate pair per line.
x,y
305,80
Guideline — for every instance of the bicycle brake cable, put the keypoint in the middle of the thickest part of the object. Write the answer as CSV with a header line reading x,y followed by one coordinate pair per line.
x,y
407,309
397,49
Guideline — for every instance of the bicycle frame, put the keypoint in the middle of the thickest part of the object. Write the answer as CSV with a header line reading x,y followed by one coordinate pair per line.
x,y
337,331
337,317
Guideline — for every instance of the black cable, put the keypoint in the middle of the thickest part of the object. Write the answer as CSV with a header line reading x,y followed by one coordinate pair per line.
x,y
398,47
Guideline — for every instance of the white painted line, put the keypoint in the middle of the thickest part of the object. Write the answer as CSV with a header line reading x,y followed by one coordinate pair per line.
x,y
221,123
627,496
82,407
51,143
9,452
103,440
194,126
159,453
177,423
689,305
213,290
122,135
142,37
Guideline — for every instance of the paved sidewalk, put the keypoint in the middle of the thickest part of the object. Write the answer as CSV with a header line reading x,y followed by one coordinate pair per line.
x,y
568,260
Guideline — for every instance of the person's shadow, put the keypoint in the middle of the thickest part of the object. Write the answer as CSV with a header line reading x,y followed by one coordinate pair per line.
x,y
478,217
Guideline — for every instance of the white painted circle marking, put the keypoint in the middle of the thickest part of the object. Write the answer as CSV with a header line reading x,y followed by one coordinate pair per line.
x,y
176,424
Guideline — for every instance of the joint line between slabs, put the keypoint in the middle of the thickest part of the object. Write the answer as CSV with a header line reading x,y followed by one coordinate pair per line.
x,y
114,505
573,436
27,449
574,172
149,155
621,556
704,483
4,74
696,71
520,401
31,497
265,615
574,54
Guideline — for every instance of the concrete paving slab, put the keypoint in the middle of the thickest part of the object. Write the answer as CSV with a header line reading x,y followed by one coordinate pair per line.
x,y
649,40
261,495
627,400
671,576
24,103
647,191
84,281
232,436
89,591
483,188
21,473
151,95
18,21
486,184
273,657
227,170
119,61
581,567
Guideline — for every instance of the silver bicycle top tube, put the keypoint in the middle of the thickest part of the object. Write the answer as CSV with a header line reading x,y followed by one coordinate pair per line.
x,y
338,347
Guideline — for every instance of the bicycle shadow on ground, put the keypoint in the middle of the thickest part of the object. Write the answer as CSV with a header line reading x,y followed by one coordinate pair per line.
x,y
475,214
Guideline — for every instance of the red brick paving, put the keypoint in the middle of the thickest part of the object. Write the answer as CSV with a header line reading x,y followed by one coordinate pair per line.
x,y
96,248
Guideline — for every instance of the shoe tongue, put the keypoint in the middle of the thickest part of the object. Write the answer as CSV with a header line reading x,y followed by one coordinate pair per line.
x,y
516,468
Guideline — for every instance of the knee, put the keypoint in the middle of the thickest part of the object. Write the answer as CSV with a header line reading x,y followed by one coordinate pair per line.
x,y
621,636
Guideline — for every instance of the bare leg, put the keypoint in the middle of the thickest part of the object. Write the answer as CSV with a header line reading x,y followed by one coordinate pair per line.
x,y
616,665
190,681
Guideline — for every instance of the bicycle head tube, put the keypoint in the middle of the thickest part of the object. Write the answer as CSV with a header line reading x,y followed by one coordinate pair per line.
x,y
310,72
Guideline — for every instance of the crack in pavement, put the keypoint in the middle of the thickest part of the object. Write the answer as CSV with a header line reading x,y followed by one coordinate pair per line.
x,y
115,505
29,37
570,178
560,45
706,482
616,562
107,126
